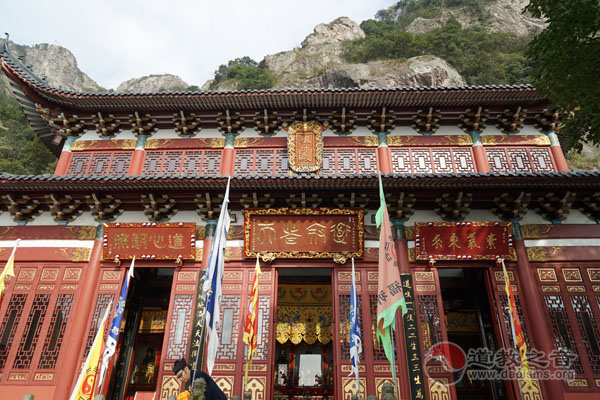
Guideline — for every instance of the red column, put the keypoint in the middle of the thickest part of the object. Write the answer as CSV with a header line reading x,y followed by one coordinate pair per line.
x,y
62,166
403,264
557,153
137,160
228,160
481,162
69,370
539,328
383,154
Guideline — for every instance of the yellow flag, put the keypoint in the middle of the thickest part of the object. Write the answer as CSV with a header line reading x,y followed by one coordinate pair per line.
x,y
84,388
9,269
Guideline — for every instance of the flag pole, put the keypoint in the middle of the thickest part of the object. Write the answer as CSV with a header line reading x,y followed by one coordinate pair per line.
x,y
356,311
395,363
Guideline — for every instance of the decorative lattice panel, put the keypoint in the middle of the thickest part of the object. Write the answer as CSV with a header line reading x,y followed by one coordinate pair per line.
x,y
11,320
519,160
264,308
263,162
421,161
31,335
563,334
244,162
56,331
497,160
120,163
442,160
429,320
463,160
180,326
230,319
401,161
172,163
79,163
152,162
281,162
101,305
378,353
211,164
541,160
367,160
588,327
346,161
100,164
328,162
344,320
192,162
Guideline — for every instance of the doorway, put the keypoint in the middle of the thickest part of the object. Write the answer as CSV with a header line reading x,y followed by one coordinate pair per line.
x,y
470,323
304,345
140,343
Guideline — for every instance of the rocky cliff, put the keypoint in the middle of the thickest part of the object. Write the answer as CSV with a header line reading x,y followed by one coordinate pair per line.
x,y
153,83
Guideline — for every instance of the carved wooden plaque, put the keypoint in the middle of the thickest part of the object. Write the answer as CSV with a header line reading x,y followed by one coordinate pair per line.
x,y
305,146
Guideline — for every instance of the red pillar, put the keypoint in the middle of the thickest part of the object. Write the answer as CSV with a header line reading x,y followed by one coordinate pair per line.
x,y
62,166
557,153
228,160
69,370
539,329
404,266
383,154
481,162
137,160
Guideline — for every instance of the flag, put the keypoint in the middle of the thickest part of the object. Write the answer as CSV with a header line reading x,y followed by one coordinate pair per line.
x,y
355,338
84,388
517,330
115,327
9,268
389,287
251,327
213,280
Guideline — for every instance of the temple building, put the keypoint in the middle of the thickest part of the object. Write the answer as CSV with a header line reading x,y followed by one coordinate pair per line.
x,y
472,176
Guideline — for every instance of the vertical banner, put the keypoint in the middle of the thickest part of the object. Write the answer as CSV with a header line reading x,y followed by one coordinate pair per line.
x,y
197,326
413,345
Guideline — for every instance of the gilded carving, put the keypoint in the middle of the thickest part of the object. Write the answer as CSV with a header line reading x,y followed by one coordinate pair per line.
x,y
398,141
45,287
256,386
536,231
152,144
571,274
26,274
43,377
367,141
170,387
349,387
224,367
537,254
596,288
372,288
424,276
547,275
81,254
348,368
81,145
49,274
493,140
198,255
232,276
531,392
111,275
499,276
576,289
189,276
305,146
541,140
226,384
109,286
439,388
22,287
409,233
183,288
72,274
460,140
241,143
594,274
372,276
68,287
578,383
550,288
86,233
425,288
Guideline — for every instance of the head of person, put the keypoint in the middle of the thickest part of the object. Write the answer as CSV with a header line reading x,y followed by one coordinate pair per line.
x,y
181,370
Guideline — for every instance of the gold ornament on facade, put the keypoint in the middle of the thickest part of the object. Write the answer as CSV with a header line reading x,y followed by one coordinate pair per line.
x,y
305,146
241,143
537,254
399,141
152,144
367,141
459,140
536,231
83,232
541,140
493,140
409,232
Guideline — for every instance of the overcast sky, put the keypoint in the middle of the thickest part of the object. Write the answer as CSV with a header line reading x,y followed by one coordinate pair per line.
x,y
116,40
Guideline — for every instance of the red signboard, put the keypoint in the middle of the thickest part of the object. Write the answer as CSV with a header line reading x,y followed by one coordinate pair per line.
x,y
149,241
464,241
304,233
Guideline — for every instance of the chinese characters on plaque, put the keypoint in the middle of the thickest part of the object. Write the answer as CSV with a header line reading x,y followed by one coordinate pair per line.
x,y
464,241
305,146
153,241
304,233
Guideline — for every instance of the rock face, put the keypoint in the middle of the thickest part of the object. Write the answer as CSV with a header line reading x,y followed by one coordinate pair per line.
x,y
57,64
153,83
504,16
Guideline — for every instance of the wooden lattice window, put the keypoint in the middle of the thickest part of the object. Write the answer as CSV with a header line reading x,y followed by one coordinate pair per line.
x,y
520,159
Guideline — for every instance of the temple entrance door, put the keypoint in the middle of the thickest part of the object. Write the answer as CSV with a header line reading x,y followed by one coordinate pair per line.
x,y
304,348
141,340
471,324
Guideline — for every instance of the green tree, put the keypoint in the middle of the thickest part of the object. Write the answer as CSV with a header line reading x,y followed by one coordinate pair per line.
x,y
246,72
566,64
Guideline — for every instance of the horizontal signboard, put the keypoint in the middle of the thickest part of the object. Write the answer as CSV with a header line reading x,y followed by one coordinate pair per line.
x,y
304,233
464,241
149,241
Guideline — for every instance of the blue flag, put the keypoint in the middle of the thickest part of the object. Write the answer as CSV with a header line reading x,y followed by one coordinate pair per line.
x,y
213,281
113,334
355,337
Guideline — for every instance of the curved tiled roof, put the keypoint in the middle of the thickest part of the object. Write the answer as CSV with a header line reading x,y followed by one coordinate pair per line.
x,y
576,180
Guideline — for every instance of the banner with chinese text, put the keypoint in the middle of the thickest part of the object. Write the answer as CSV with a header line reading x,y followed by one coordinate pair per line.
x,y
149,241
304,233
464,241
